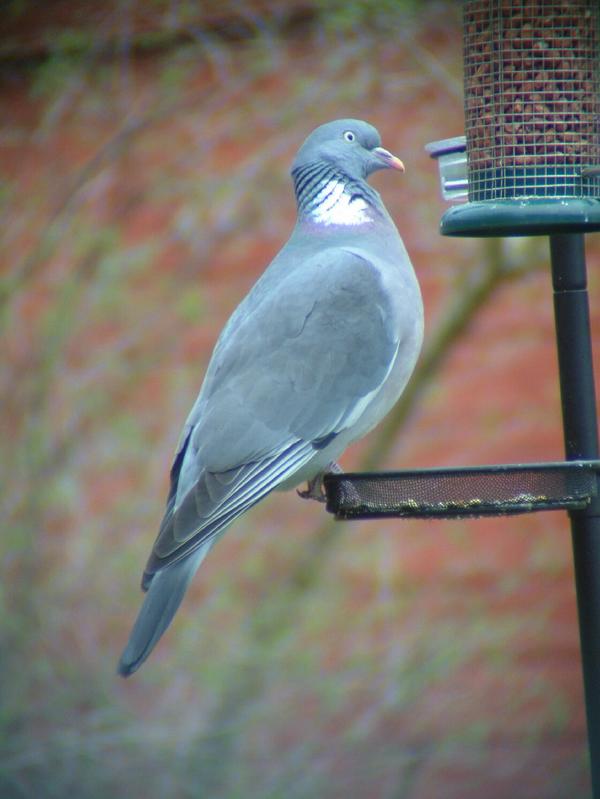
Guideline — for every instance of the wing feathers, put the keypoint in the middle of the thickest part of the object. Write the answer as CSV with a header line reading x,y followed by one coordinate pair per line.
x,y
191,524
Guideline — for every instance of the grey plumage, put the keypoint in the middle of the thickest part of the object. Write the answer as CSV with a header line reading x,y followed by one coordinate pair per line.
x,y
314,356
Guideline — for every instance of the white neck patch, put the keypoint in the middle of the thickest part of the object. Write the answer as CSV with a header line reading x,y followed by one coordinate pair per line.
x,y
333,205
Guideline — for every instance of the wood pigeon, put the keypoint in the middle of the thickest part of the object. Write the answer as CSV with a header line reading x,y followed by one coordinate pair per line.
x,y
312,359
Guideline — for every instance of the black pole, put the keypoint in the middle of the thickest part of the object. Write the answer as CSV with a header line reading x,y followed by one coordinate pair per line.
x,y
576,372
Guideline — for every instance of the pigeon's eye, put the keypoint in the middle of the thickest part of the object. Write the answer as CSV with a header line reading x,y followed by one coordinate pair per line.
x,y
349,136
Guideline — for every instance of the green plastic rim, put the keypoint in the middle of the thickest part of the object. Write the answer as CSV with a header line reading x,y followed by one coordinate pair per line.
x,y
525,217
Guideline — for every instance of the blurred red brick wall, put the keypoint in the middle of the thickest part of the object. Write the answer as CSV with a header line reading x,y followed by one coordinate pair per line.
x,y
155,166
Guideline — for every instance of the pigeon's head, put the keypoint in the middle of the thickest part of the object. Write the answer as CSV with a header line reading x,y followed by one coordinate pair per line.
x,y
351,145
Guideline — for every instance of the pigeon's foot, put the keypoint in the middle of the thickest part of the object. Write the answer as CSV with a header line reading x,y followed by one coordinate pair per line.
x,y
314,488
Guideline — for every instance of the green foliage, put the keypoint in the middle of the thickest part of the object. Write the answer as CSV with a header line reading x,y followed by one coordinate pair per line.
x,y
16,8
51,77
174,75
70,41
364,15
6,194
68,51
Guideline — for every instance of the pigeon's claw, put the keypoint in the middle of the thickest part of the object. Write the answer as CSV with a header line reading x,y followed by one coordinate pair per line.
x,y
314,488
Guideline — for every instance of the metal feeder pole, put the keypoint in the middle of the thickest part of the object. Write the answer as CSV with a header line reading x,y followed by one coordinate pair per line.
x,y
576,376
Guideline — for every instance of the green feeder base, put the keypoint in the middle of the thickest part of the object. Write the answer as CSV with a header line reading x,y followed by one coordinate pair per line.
x,y
525,217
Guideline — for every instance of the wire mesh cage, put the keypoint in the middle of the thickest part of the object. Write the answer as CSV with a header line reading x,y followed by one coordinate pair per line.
x,y
532,117
532,108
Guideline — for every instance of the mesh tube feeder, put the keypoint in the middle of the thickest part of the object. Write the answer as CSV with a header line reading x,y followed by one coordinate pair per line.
x,y
529,164
532,118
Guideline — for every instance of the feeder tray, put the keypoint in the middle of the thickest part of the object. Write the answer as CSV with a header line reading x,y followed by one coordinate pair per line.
x,y
497,490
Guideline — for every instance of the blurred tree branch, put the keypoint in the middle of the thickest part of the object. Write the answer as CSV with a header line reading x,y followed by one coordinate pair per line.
x,y
430,63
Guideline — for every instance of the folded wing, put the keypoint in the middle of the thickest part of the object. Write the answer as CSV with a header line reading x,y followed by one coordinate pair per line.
x,y
294,367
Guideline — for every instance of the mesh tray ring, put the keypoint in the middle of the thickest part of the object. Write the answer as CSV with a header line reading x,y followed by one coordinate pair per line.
x,y
468,492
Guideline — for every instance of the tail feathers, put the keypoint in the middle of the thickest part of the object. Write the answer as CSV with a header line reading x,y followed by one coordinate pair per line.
x,y
164,596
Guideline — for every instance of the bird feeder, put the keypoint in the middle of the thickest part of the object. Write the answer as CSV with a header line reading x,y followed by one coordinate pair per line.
x,y
532,118
451,155
529,164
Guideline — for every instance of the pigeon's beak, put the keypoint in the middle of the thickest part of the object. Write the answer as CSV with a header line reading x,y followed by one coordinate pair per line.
x,y
387,159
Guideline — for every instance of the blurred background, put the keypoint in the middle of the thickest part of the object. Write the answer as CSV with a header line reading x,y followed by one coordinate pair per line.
x,y
145,149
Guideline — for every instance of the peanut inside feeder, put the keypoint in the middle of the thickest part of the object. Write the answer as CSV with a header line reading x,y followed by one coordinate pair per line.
x,y
532,93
